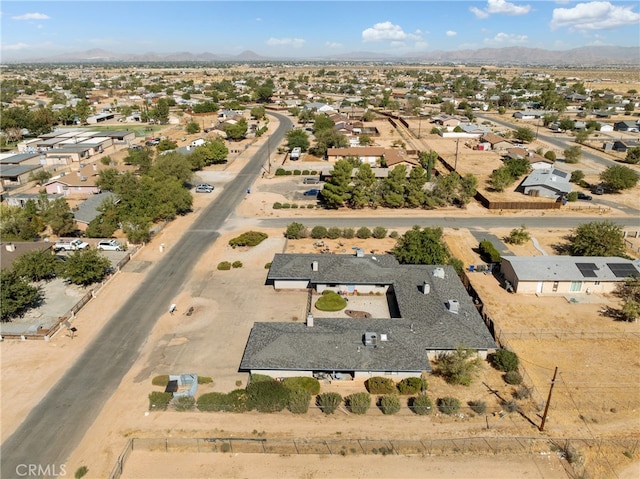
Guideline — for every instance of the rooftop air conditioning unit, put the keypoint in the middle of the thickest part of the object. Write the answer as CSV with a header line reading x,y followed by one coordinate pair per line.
x,y
371,339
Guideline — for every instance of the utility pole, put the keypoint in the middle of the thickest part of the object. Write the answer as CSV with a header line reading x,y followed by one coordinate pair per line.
x,y
546,407
269,153
455,166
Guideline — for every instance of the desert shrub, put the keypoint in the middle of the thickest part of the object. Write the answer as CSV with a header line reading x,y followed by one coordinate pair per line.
x,y
224,266
250,238
523,392
512,377
504,360
257,378
448,405
277,205
313,172
295,231
310,207
294,206
459,366
379,232
390,404
159,401
394,235
319,232
421,405
212,402
288,173
520,235
305,172
358,403
306,383
205,379
81,471
236,264
267,396
286,206
380,385
161,380
510,406
479,407
184,403
280,172
363,233
297,172
334,233
331,301
489,252
409,386
572,196
267,265
299,401
348,233
577,176
328,402
237,400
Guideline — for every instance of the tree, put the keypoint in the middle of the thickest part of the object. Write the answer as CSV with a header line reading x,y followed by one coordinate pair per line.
x,y
619,177
85,266
459,366
37,265
17,224
264,92
362,192
295,231
550,155
236,131
597,239
161,111
16,294
524,134
468,188
166,145
517,166
504,360
582,136
143,159
424,246
297,138
192,128
566,124
328,138
213,152
172,165
258,112
322,123
83,110
41,121
629,291
577,176
428,162
572,154
414,188
336,191
59,217
365,140
633,155
390,404
394,186
500,179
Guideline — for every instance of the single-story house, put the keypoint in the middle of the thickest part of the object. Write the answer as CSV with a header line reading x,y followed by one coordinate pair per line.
x,y
88,210
68,155
21,199
11,251
16,175
21,159
547,182
536,161
430,312
566,274
494,142
100,117
626,125
373,155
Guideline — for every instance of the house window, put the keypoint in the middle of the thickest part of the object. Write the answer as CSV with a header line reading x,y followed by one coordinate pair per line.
x,y
555,286
575,286
596,283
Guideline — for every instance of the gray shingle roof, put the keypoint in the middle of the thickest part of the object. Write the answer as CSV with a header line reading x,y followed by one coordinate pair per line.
x,y
564,268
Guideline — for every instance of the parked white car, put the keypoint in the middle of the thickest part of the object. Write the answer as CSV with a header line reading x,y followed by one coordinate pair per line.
x,y
70,245
109,245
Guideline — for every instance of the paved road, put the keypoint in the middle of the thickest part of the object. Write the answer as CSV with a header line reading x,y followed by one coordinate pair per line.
x,y
57,424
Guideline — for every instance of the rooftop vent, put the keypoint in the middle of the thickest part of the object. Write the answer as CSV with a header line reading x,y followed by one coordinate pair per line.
x,y
383,337
314,266
360,253
453,306
371,339
438,273
426,288
309,319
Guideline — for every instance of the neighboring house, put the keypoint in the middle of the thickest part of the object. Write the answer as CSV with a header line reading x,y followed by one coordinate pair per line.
x,y
21,199
605,126
537,162
12,250
450,121
548,182
491,141
626,125
100,118
566,274
16,175
87,211
620,146
429,312
373,155
21,159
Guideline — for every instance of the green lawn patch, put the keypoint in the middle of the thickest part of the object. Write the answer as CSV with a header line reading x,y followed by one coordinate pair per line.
x,y
331,301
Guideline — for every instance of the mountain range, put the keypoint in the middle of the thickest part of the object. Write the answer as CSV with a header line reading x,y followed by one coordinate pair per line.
x,y
583,56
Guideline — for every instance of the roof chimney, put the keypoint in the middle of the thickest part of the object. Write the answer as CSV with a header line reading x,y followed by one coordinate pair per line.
x,y
314,266
310,319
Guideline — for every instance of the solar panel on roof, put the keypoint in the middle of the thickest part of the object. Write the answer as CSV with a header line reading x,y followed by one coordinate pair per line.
x,y
623,270
588,270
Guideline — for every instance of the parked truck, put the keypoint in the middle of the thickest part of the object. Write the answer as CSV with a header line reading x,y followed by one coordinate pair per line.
x,y
70,245
198,142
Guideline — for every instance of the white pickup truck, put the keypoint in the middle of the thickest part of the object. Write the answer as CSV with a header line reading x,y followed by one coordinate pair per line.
x,y
70,245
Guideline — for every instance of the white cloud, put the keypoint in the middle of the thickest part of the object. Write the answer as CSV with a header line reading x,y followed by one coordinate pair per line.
x,y
451,33
31,16
506,39
594,16
500,7
286,42
387,31
333,45
15,47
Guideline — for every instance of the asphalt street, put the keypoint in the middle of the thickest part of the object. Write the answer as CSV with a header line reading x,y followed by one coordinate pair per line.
x,y
55,427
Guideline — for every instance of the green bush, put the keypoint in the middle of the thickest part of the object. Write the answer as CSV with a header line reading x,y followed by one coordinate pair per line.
x,y
379,232
394,235
310,207
380,385
334,233
288,173
363,233
479,407
205,379
572,196
331,301
280,172
460,366
161,380
328,402
184,403
213,402
313,172
267,396
390,404
224,266
302,382
504,360
409,386
421,405
297,172
286,206
250,238
236,264
294,206
294,231
260,378
348,233
319,232
358,403
299,401
277,205
305,172
237,400
267,265
489,252
513,378
448,405
159,401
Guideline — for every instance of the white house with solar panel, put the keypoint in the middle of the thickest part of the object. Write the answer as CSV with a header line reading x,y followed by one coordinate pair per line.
x,y
566,274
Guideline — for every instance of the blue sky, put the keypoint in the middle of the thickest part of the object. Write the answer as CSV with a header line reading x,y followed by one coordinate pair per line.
x,y
310,28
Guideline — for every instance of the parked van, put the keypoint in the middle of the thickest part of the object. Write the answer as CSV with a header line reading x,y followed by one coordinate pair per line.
x,y
198,142
295,153
311,181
